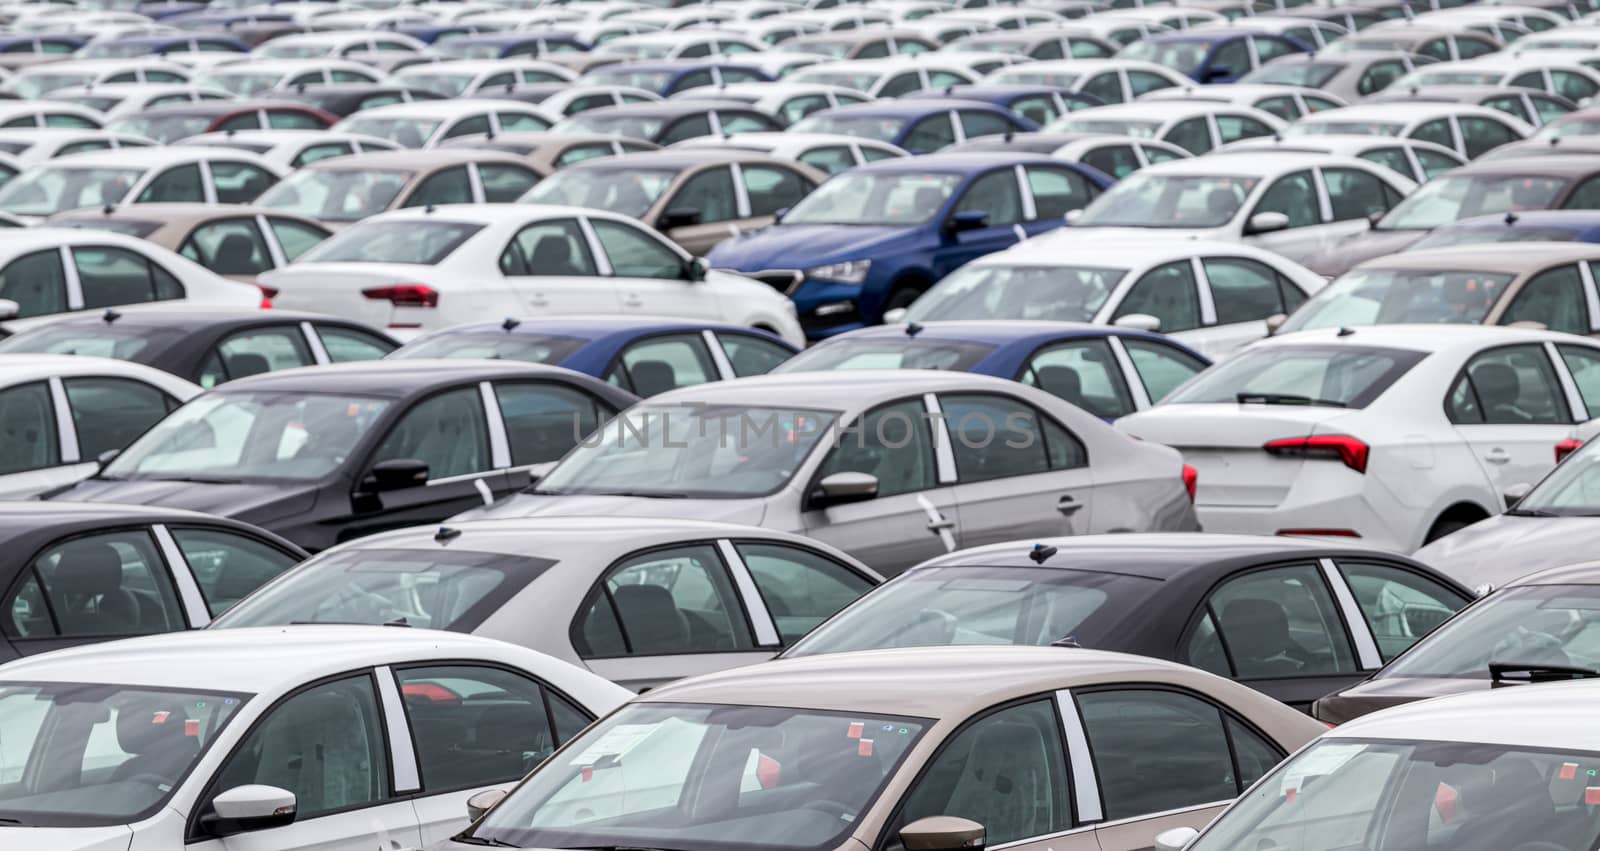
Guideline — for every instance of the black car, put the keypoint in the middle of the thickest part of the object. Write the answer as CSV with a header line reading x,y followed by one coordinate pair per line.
x,y
78,574
346,99
1293,618
325,454
206,345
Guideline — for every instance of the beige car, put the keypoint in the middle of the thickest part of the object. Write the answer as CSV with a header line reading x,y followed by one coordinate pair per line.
x,y
1027,748
547,152
235,241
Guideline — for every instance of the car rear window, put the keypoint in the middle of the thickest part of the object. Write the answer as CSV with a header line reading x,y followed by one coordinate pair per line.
x,y
1336,376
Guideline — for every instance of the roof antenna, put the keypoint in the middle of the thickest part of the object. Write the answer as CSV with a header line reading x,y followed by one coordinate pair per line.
x,y
1344,331
913,329
510,323
1041,553
110,316
446,533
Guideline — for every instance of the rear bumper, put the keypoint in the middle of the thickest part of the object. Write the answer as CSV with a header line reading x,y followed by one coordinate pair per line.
x,y
1387,525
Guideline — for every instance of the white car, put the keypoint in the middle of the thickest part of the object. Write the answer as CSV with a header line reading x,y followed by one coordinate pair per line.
x,y
1395,434
679,44
1421,161
888,77
460,77
290,149
333,738
137,176
1555,71
424,124
341,44
47,406
1111,80
787,100
34,145
829,152
253,77
1467,129
421,269
119,100
1291,203
39,80
1197,126
1211,296
48,113
1286,102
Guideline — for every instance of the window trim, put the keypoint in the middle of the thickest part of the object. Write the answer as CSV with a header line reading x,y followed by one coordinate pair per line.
x,y
1367,656
1461,372
404,768
30,571
765,628
1040,415
188,585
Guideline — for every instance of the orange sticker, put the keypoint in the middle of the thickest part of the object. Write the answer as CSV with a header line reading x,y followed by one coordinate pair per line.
x,y
191,727
588,773
1591,795
1569,770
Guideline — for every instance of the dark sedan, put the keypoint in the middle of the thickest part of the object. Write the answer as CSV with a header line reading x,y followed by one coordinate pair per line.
x,y
346,99
1295,619
325,454
79,574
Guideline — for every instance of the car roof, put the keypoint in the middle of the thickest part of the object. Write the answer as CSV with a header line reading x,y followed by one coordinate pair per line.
x,y
1249,164
997,332
412,158
1581,573
446,108
906,106
844,390
1562,716
592,327
154,156
1405,112
1435,337
1554,165
179,314
396,378
1168,110
672,158
169,213
1513,258
959,161
1578,219
20,515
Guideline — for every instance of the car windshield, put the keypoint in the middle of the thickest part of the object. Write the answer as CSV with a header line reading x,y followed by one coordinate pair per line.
x,y
1572,489
1498,232
1183,55
1571,125
1449,78
165,129
881,128
1521,627
423,242
598,121
981,605
874,198
226,437
657,50
1448,198
879,353
454,590
51,189
1408,795
1112,126
497,345
405,132
86,754
1344,127
643,777
1058,293
272,50
336,195
629,191
99,103
118,341
1388,296
621,75
841,48
449,85
1312,75
1169,201
1342,376
242,83
703,451
31,86
861,81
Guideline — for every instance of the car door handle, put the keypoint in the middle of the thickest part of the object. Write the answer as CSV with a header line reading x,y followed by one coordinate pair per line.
x,y
1068,506
538,300
940,525
632,300
1498,456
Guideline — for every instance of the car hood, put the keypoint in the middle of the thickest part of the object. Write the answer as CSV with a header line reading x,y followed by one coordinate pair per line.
x,y
1503,548
116,837
1375,694
805,246
253,503
746,511
1343,255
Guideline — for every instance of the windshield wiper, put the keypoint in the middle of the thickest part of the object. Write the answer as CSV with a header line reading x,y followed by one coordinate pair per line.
x,y
199,480
1512,673
1284,399
485,840
1530,512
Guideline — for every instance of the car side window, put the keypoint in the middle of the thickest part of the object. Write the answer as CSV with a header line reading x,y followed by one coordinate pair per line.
x,y
893,443
1434,163
1282,106
550,247
244,121
1107,87
1243,290
313,153
345,345
658,364
1084,373
545,419
1355,194
1157,750
1279,622
1572,86
1007,770
1393,159
1193,135
28,436
113,276
1167,292
995,437
1398,605
900,84
324,744
1232,128
686,128
580,153
801,588
448,432
1040,109
1437,132
831,159
1141,82
229,247
1058,191
751,355
710,193
1479,134
179,183
228,566
1554,298
1293,195
1584,196
1378,76
294,237
36,282
1584,364
1119,161
471,125
975,123
108,413
1511,385
112,583
446,186
1511,105
504,183
676,600
929,134
475,726
239,183
1232,58
772,189
254,352
1161,367
996,195
634,254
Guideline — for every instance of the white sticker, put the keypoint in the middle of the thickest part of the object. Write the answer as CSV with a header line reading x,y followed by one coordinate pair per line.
x,y
1319,761
615,742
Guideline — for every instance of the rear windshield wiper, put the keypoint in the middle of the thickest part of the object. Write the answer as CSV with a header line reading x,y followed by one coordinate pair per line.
x,y
1513,673
1248,398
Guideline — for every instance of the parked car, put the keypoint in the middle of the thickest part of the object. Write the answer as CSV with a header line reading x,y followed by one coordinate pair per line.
x,y
668,77
1114,154
670,121
1418,160
829,153
1220,55
137,176
259,77
424,124
1527,226
1114,80
234,241
917,125
1347,75
1288,103
168,124
1533,107
33,145
344,99
335,192
546,151
292,149
1467,129
1197,126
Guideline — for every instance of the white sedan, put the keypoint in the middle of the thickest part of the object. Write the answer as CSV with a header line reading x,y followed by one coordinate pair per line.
x,y
421,269
330,738
1395,434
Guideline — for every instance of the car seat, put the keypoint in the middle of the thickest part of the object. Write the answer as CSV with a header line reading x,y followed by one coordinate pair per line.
x,y
1499,388
552,255
246,364
651,618
1257,632
235,255
652,376
1062,382
1005,784
153,731
88,579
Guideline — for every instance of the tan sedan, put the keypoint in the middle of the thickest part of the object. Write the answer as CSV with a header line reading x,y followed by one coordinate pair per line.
x,y
1030,748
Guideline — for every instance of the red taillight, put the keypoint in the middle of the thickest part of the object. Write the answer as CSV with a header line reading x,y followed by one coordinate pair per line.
x,y
1336,446
267,295
405,295
1191,478
1567,447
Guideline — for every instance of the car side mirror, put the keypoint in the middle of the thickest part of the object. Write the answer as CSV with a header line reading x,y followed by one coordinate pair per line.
x,y
250,807
1176,839
1275,321
1138,322
894,315
397,474
105,458
841,488
680,217
943,833
9,309
1373,218
1515,493
967,220
696,269
1266,223
1073,216
777,218
483,802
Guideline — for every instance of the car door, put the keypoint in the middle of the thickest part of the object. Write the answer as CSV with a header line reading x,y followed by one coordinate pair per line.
x,y
254,351
1295,196
327,743
542,421
1169,293
768,190
930,133
1509,405
110,412
224,564
1085,373
670,612
1019,473
550,267
1556,298
703,210
650,277
996,195
1244,293
656,364
234,248
32,460
913,517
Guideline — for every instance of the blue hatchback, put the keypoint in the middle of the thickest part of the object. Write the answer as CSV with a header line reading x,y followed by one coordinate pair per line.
x,y
920,124
1214,56
1109,372
875,237
644,355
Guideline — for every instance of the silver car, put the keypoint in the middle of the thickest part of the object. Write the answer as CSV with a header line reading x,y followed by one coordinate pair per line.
x,y
893,467
637,601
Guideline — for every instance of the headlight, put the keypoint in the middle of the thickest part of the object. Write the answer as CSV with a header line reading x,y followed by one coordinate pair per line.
x,y
848,272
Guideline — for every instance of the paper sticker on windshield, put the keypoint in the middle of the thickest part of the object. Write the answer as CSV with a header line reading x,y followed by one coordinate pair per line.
x,y
1569,771
1324,759
855,730
617,741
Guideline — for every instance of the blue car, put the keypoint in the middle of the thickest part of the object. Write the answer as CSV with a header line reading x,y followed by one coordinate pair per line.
x,y
920,124
668,77
642,354
1109,372
1039,104
507,45
1216,56
875,237
1522,226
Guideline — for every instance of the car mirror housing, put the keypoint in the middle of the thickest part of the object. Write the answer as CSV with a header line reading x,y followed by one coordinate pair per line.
x,y
967,220
1175,839
397,474
696,269
1072,216
1275,321
1266,223
249,807
1138,322
483,802
943,833
9,309
1515,493
680,217
894,314
841,488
